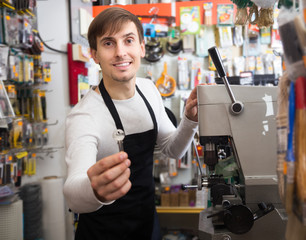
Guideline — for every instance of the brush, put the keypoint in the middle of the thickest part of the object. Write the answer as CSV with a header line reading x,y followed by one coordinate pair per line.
x,y
300,138
290,152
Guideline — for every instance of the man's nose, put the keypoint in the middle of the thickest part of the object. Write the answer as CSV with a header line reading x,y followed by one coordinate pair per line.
x,y
120,50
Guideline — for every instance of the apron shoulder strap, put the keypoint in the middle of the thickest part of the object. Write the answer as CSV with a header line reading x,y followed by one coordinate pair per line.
x,y
149,108
110,105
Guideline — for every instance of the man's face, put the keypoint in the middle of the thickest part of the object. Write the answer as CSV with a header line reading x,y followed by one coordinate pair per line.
x,y
119,55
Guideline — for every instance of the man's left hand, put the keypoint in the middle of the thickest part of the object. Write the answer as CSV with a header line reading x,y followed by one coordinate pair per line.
x,y
191,109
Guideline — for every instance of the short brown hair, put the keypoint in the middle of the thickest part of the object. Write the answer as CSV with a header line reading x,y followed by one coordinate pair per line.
x,y
110,21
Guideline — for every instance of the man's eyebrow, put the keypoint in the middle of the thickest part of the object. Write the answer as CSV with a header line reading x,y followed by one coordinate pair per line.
x,y
129,34
109,38
106,39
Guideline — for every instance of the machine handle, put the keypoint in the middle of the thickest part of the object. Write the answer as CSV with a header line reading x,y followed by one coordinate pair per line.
x,y
237,106
187,186
216,58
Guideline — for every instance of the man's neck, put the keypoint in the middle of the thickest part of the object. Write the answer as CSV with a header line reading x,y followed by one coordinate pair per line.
x,y
120,90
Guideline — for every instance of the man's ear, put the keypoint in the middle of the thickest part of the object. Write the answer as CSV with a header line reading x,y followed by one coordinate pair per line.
x,y
143,49
94,55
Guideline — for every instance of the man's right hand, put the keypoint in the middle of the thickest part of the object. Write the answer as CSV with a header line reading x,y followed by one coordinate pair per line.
x,y
109,177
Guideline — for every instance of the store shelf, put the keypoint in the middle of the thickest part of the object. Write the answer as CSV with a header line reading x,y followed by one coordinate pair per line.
x,y
167,9
195,210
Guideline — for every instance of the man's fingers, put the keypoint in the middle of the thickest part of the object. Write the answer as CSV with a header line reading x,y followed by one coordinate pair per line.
x,y
114,189
193,93
109,175
107,163
119,192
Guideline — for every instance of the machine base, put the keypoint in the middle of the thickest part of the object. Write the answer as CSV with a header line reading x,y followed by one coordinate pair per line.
x,y
270,227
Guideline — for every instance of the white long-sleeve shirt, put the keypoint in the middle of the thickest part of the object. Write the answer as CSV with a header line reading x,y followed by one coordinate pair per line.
x,y
89,130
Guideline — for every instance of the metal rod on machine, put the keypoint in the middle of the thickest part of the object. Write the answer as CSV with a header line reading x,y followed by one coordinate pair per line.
x,y
237,106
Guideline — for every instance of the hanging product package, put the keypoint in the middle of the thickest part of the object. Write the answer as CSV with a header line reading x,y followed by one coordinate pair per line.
x,y
4,52
16,133
38,110
208,13
265,35
238,37
225,15
190,20
259,70
10,27
183,74
6,109
195,73
251,46
239,65
268,60
225,37
188,43
204,40
251,64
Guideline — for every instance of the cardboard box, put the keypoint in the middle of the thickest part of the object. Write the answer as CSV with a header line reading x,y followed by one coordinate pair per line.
x,y
165,199
174,199
184,199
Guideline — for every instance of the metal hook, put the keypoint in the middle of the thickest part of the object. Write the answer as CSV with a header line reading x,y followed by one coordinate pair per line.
x,y
48,91
52,124
39,157
154,11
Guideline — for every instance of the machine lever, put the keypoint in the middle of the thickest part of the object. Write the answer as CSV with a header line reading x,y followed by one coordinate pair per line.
x,y
202,182
263,210
186,186
237,106
215,56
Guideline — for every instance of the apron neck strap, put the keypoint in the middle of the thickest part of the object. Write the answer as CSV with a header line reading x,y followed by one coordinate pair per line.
x,y
110,105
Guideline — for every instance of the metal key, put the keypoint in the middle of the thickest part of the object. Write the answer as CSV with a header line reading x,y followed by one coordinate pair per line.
x,y
119,135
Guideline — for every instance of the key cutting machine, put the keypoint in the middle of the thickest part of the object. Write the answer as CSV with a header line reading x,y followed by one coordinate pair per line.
x,y
239,140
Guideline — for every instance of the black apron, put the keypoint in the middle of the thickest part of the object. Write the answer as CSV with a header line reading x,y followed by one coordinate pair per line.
x,y
133,215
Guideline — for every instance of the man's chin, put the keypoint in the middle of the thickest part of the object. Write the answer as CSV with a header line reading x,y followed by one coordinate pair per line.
x,y
123,79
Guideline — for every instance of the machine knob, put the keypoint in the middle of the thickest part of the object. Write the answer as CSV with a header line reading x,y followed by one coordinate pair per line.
x,y
226,237
238,219
226,203
237,107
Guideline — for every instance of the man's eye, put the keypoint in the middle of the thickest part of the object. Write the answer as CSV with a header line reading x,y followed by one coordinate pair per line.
x,y
130,40
108,43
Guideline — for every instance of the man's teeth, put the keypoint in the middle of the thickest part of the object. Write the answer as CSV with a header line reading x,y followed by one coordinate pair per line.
x,y
122,64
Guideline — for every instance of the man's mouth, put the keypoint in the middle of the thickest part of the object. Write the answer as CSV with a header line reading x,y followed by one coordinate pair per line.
x,y
125,64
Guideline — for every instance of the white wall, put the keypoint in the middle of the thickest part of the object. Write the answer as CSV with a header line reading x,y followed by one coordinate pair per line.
x,y
53,26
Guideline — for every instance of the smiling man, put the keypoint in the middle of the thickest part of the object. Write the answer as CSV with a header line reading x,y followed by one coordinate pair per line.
x,y
112,188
